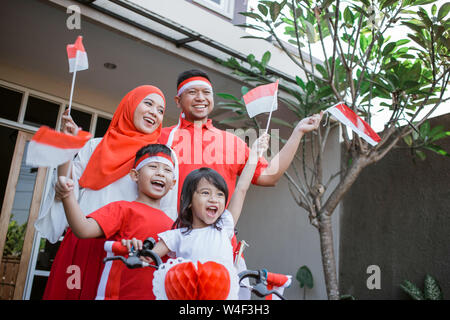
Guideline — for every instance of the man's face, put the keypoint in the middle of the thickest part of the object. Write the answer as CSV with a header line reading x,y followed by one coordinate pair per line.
x,y
197,102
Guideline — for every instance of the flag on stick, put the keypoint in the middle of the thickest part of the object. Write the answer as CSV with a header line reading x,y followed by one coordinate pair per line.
x,y
261,99
50,148
346,115
77,56
77,62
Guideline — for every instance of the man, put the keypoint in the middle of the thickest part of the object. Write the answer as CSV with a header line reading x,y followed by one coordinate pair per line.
x,y
199,144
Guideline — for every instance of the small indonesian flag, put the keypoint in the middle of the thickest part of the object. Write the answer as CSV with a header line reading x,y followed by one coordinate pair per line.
x,y
50,148
77,56
346,115
261,99
277,282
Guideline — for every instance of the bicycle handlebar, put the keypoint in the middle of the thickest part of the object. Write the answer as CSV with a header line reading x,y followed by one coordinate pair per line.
x,y
133,261
262,280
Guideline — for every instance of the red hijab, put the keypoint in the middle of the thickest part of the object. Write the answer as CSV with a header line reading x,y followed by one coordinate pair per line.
x,y
114,156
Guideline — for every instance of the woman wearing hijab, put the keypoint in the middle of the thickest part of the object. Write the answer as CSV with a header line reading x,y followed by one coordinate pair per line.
x,y
101,169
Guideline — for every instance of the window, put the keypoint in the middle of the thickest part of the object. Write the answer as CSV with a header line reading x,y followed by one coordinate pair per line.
x,y
224,7
82,119
101,127
41,112
10,104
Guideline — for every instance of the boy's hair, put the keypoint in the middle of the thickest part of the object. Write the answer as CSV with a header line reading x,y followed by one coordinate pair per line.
x,y
185,218
151,150
191,73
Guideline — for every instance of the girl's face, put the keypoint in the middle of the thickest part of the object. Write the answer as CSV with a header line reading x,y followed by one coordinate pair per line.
x,y
208,204
149,113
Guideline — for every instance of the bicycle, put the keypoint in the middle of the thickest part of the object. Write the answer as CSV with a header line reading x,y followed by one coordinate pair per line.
x,y
263,280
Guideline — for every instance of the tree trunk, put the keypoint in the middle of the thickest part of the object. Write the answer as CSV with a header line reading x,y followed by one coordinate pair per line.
x,y
328,258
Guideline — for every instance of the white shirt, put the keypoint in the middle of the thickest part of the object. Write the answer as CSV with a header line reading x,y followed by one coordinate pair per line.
x,y
52,221
206,243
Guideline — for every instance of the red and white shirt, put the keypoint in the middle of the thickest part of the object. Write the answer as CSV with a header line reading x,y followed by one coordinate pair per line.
x,y
207,146
125,220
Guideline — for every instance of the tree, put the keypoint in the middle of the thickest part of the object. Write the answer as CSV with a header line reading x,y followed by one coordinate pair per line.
x,y
362,67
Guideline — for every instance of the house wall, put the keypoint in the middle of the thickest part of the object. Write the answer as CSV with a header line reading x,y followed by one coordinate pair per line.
x,y
397,216
96,88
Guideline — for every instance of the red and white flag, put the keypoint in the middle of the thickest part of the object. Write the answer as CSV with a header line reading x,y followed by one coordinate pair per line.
x,y
277,282
261,99
50,148
77,56
346,115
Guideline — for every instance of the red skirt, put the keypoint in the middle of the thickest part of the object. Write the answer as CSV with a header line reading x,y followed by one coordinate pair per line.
x,y
87,257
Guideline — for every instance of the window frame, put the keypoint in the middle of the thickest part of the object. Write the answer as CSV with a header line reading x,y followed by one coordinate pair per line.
x,y
63,103
226,7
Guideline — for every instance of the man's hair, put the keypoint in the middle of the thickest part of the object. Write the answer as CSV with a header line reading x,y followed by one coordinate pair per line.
x,y
151,150
191,73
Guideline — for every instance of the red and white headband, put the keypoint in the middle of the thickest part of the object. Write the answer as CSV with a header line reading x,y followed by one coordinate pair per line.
x,y
193,81
159,157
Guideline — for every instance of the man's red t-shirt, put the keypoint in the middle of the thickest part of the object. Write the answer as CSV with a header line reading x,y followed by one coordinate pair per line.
x,y
209,147
125,220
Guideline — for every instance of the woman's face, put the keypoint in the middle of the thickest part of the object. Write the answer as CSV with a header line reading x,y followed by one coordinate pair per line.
x,y
149,113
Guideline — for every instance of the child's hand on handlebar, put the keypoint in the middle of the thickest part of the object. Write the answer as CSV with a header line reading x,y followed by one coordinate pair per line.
x,y
135,243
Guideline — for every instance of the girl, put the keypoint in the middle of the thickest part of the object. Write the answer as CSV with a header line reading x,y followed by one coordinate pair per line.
x,y
100,175
204,226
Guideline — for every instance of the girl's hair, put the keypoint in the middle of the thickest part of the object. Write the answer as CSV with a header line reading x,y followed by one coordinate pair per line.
x,y
185,218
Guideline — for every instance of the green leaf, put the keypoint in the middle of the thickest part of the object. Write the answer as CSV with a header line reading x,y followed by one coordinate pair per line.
x,y
233,119
244,90
228,96
432,289
348,16
443,11
275,9
438,150
252,15
388,3
281,122
263,9
388,48
408,140
421,155
300,82
265,58
412,290
423,2
305,277
310,86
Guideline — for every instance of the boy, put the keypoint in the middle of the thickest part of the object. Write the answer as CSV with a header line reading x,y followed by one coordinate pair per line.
x,y
153,173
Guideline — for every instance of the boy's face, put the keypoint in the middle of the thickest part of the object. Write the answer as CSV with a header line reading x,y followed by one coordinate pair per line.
x,y
197,102
154,179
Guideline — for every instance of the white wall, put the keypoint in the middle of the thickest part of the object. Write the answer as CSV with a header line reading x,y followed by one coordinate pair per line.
x,y
279,233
